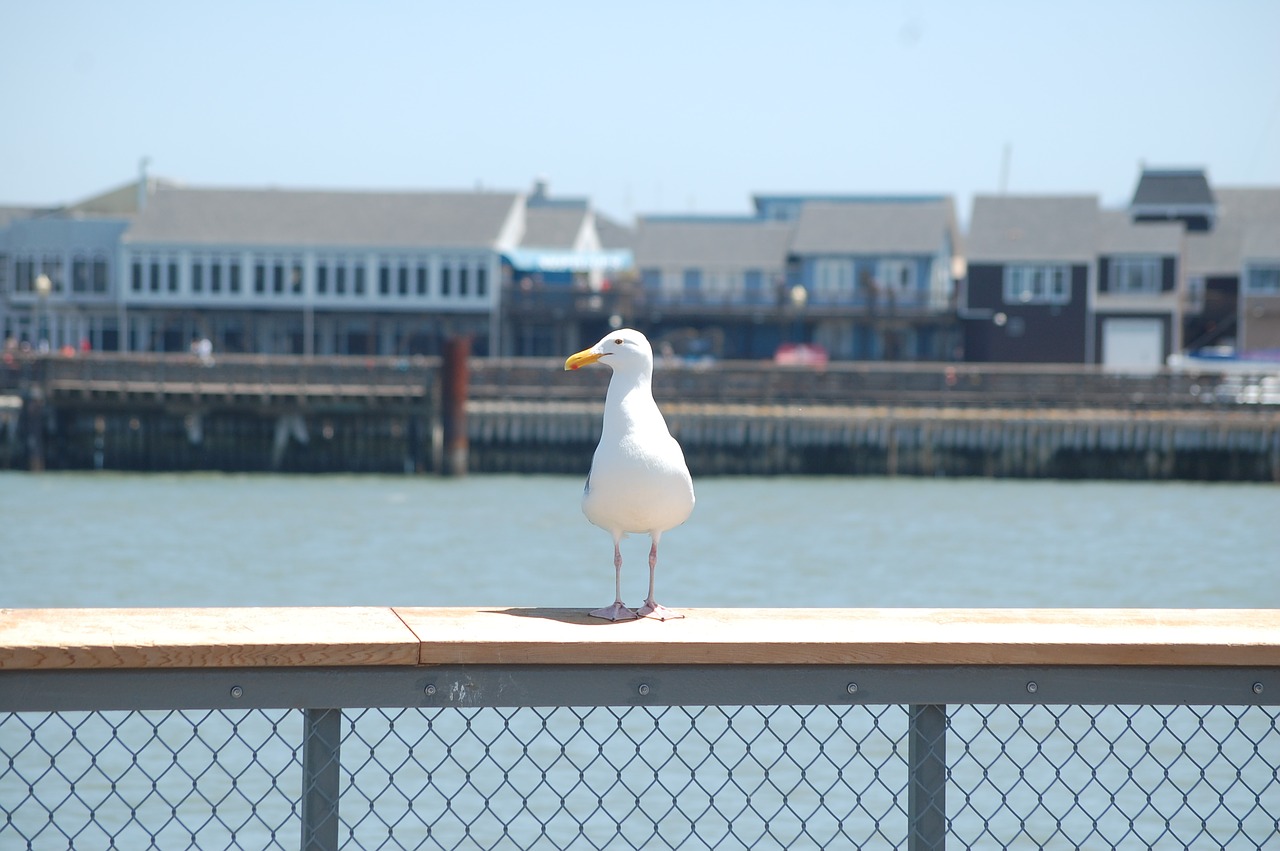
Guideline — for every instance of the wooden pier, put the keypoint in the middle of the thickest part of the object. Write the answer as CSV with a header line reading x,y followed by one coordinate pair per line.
x,y
138,412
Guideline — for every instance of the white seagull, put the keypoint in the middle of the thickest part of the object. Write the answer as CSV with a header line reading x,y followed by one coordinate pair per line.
x,y
638,481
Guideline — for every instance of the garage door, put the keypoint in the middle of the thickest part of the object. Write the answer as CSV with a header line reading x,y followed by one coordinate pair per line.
x,y
1133,343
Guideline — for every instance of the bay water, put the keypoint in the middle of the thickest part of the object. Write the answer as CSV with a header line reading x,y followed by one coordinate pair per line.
x,y
106,539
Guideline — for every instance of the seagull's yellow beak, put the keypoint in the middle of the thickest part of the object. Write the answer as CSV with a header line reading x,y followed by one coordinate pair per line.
x,y
582,358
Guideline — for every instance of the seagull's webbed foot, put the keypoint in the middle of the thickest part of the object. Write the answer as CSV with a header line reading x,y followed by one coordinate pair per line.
x,y
652,609
616,612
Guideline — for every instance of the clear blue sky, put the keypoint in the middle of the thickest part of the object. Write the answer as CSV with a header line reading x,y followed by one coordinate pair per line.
x,y
646,107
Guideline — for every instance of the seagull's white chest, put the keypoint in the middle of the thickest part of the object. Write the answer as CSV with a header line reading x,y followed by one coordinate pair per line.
x,y
639,481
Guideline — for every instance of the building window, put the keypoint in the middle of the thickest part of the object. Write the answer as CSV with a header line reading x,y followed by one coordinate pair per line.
x,y
197,275
277,277
384,280
672,283
1134,275
1037,285
1263,281
402,280
173,276
101,275
896,276
52,267
24,275
357,283
482,282
135,276
215,275
260,278
446,281
233,277
4,273
154,282
464,283
833,278
340,277
722,285
295,276
691,283
422,280
79,274
322,279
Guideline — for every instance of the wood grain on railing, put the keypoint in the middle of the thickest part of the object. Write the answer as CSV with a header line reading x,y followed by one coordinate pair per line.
x,y
359,637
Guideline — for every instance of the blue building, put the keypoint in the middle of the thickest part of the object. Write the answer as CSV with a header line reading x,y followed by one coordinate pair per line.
x,y
863,276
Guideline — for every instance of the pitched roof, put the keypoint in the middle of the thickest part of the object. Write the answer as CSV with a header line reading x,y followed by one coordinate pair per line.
x,y
1177,188
10,213
1252,205
1261,243
1119,234
614,234
874,227
1033,227
1246,216
300,218
552,227
711,243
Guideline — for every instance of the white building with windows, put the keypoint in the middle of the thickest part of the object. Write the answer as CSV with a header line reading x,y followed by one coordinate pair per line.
x,y
314,272
152,267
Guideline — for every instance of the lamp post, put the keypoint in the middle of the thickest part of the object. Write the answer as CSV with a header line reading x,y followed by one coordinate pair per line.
x,y
799,297
44,286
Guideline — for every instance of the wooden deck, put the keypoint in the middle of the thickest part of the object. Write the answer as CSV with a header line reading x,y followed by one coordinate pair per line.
x,y
65,639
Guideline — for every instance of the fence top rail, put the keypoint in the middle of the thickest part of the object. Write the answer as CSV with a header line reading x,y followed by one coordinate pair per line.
x,y
59,639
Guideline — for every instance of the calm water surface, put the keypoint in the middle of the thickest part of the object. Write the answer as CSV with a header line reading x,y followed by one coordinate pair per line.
x,y
220,540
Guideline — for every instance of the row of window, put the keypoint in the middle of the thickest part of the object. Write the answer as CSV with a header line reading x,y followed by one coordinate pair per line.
x,y
285,276
90,274
1051,284
836,276
708,283
1037,284
832,277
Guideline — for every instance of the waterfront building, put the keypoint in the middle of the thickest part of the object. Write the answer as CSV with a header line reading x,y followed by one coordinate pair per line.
x,y
1057,279
560,284
713,285
153,267
865,277
880,276
1233,275
1031,266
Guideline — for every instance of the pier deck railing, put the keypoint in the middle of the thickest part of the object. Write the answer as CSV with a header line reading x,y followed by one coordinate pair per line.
x,y
535,728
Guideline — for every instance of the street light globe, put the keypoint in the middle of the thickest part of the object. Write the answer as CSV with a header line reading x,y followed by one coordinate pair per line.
x,y
44,286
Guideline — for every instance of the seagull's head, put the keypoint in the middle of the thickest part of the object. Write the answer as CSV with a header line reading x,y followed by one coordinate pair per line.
x,y
622,349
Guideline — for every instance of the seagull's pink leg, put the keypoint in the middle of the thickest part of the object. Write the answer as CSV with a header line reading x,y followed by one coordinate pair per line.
x,y
651,608
616,612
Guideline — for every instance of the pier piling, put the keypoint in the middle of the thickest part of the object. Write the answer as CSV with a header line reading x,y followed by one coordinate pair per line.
x,y
455,386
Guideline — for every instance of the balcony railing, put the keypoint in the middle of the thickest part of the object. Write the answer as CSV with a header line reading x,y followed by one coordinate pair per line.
x,y
531,728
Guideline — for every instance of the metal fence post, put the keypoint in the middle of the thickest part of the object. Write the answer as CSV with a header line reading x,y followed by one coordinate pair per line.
x,y
927,778
321,738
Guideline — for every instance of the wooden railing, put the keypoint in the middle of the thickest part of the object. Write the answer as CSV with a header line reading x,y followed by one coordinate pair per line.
x,y
531,728
84,639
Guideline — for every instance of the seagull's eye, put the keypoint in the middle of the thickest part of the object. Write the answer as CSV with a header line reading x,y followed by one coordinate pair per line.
x,y
618,341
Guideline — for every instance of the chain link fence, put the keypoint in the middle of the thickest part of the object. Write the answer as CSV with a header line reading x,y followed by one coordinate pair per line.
x,y
671,776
